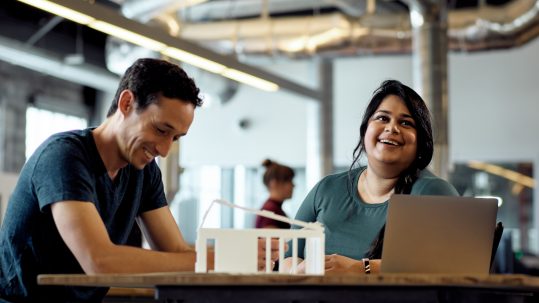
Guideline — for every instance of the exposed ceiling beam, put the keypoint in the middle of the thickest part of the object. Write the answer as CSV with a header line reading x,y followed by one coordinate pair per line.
x,y
30,57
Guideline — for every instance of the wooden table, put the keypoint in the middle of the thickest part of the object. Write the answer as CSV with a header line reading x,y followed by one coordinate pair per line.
x,y
192,287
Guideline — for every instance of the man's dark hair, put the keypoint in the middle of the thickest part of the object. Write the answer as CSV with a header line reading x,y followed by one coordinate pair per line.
x,y
150,78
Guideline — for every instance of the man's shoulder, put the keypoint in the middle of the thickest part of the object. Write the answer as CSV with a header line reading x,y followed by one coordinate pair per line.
x,y
67,138
64,146
72,135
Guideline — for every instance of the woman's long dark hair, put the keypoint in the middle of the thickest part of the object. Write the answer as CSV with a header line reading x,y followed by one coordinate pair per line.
x,y
421,115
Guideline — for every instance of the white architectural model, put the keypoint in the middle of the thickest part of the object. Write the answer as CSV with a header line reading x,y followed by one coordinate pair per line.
x,y
236,250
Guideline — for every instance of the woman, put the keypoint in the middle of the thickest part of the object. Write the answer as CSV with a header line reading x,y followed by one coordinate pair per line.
x,y
278,181
396,139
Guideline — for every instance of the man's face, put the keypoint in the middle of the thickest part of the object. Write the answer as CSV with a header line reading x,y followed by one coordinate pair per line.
x,y
151,132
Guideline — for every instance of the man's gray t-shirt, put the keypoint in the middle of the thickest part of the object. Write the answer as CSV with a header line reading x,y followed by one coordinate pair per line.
x,y
350,224
67,167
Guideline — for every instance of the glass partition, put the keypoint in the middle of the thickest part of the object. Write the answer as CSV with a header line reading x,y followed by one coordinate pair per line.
x,y
512,184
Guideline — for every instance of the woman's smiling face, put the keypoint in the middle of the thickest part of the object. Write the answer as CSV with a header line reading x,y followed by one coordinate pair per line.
x,y
391,136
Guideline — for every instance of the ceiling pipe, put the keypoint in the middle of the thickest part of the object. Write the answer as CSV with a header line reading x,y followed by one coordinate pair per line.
x,y
481,28
30,57
200,11
144,10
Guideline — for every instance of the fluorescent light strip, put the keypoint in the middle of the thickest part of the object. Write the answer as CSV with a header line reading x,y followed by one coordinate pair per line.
x,y
195,60
59,10
126,35
262,84
152,44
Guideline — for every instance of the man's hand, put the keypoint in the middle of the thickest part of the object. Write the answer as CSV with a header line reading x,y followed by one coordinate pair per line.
x,y
338,263
274,255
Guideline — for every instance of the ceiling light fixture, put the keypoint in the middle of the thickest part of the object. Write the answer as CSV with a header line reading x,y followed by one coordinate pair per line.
x,y
103,20
127,35
248,79
195,60
59,10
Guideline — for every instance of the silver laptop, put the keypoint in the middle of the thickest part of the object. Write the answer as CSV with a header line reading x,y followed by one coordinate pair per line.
x,y
439,234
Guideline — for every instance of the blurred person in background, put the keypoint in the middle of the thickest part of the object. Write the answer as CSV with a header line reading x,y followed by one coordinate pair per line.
x,y
278,181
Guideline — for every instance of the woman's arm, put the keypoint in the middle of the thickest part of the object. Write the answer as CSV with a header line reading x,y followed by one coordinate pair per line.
x,y
338,264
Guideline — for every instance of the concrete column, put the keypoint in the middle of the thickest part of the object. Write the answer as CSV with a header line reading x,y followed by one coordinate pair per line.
x,y
12,127
429,59
534,246
320,127
326,114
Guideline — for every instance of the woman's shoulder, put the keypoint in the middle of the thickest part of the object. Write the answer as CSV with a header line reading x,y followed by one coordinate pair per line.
x,y
430,184
338,178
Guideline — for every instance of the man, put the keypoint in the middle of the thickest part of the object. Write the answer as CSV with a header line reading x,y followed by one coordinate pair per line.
x,y
79,194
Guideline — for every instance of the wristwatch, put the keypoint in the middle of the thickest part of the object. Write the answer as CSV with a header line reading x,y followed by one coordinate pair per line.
x,y
366,265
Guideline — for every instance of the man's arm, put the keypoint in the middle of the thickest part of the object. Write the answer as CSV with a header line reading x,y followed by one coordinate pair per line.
x,y
83,231
161,231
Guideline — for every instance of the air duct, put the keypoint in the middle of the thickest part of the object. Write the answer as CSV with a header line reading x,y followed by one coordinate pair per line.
x,y
484,27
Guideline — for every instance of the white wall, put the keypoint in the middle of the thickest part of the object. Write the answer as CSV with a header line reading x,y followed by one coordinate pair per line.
x,y
277,130
495,104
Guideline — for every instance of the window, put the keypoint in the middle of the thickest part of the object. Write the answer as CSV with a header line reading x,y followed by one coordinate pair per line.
x,y
41,123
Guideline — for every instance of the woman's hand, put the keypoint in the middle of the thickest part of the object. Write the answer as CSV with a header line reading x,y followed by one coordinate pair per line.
x,y
338,263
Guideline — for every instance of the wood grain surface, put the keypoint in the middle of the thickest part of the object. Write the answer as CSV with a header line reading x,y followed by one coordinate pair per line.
x,y
181,278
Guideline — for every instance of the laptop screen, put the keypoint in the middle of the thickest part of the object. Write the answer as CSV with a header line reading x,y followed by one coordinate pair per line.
x,y
439,234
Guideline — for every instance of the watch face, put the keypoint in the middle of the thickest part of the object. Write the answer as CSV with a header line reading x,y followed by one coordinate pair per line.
x,y
366,265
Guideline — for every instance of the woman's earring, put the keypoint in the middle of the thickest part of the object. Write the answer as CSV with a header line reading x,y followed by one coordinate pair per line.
x,y
407,179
